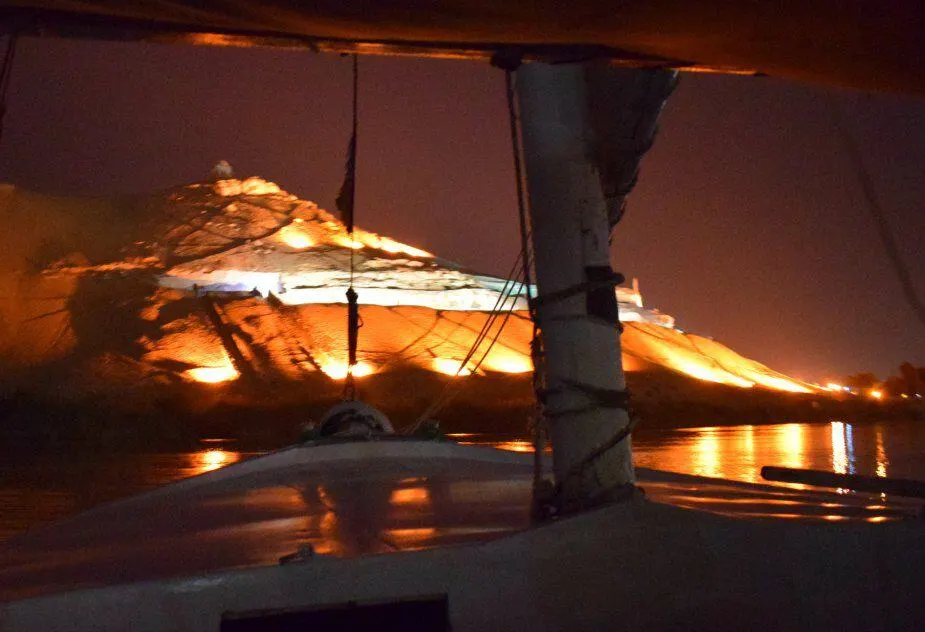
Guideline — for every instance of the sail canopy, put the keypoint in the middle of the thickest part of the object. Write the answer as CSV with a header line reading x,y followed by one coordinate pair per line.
x,y
853,43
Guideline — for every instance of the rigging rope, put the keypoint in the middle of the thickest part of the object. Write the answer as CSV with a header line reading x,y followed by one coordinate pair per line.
x,y
451,388
506,292
876,210
523,261
346,199
448,394
536,349
6,70
519,181
497,335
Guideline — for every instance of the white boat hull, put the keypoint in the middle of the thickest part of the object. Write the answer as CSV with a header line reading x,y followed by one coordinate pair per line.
x,y
641,565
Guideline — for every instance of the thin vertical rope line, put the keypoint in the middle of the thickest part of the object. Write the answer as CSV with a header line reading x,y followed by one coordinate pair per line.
x,y
887,239
354,137
535,352
6,70
518,177
352,307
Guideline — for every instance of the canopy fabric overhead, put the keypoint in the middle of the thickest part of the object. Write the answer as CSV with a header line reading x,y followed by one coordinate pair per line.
x,y
852,43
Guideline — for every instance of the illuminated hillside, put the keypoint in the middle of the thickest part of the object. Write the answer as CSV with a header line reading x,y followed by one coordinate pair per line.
x,y
217,281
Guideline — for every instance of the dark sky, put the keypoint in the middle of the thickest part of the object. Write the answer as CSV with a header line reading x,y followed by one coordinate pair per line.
x,y
748,224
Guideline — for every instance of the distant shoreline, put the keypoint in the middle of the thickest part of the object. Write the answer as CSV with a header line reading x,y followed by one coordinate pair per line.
x,y
665,426
486,405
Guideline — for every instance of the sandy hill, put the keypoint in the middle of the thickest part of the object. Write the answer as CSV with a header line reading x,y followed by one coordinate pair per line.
x,y
227,297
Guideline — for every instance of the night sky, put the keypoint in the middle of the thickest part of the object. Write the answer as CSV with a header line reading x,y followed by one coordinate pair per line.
x,y
748,224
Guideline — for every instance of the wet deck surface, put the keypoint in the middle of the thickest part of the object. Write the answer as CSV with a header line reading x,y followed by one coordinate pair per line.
x,y
385,497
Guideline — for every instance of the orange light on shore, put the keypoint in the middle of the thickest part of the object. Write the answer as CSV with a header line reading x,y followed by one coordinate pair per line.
x,y
346,242
780,384
875,394
296,238
364,239
508,363
213,374
450,367
703,359
337,370
394,247
702,370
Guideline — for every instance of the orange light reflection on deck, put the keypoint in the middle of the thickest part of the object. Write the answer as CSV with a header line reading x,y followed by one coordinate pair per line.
x,y
409,537
515,446
410,496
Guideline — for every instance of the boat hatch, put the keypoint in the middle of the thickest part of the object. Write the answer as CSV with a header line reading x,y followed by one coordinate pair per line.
x,y
429,614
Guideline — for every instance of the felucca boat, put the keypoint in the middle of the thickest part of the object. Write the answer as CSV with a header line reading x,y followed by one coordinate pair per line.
x,y
360,528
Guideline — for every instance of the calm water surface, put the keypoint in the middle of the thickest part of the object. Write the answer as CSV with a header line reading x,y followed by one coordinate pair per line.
x,y
892,449
36,488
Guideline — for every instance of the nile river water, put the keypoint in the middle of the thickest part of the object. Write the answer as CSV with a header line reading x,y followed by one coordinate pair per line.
x,y
39,487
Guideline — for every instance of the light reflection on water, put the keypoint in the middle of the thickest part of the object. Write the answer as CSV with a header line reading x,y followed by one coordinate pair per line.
x,y
36,488
839,448
39,487
739,452
882,460
212,459
705,454
791,445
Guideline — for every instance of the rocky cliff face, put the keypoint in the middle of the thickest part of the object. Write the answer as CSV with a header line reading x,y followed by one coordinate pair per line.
x,y
229,294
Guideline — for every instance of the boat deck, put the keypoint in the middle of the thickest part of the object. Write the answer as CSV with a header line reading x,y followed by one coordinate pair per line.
x,y
348,499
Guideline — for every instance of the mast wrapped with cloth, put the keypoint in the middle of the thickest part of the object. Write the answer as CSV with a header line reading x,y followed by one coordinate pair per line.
x,y
580,164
